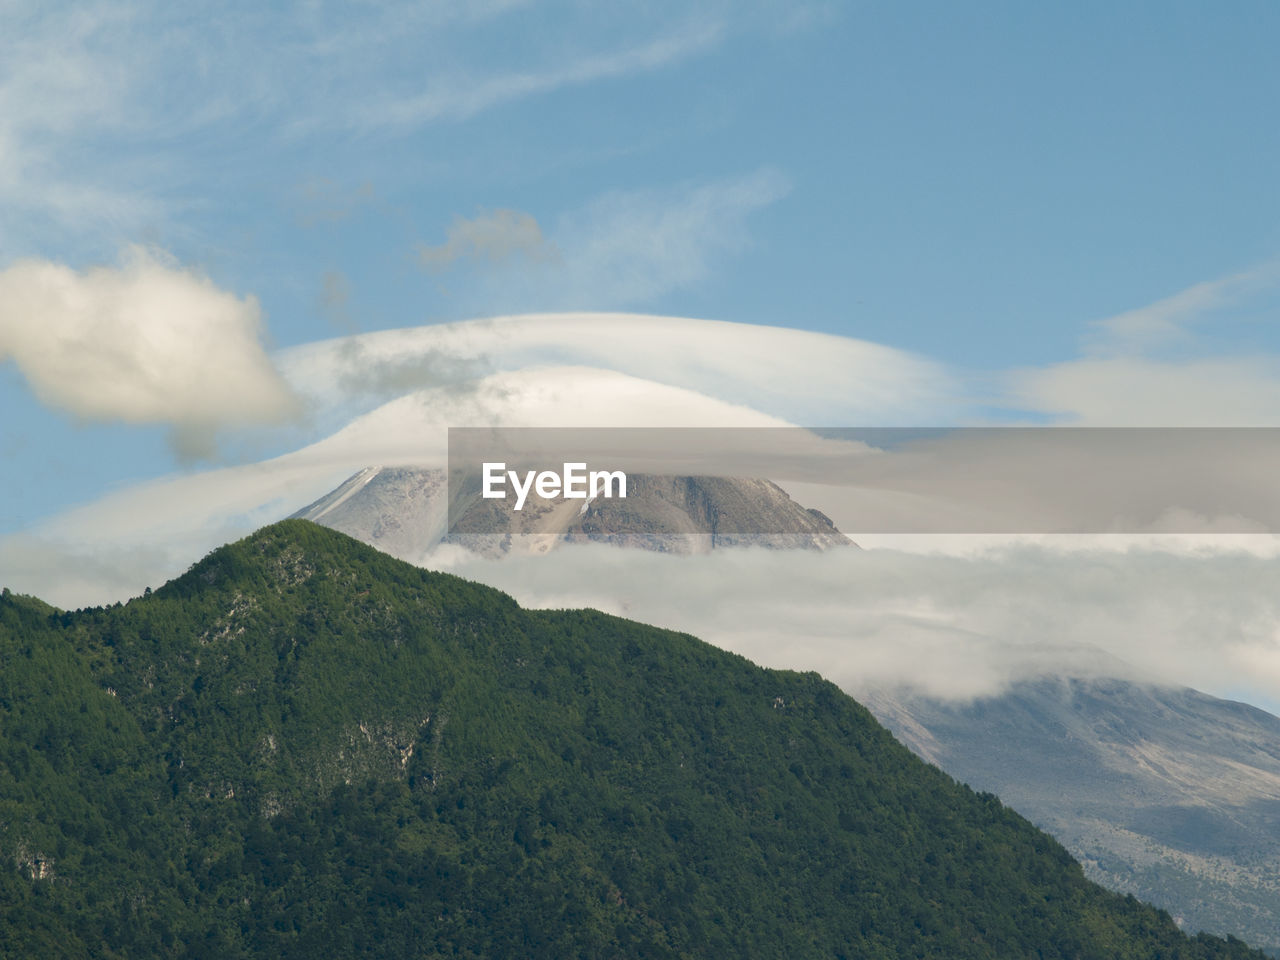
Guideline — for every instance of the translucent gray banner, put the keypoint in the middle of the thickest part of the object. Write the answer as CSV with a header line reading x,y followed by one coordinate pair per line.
x,y
731,481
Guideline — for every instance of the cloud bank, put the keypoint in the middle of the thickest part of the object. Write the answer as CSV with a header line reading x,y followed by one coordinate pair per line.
x,y
951,627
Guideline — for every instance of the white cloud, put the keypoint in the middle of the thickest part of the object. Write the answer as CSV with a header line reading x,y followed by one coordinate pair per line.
x,y
146,342
815,379
947,626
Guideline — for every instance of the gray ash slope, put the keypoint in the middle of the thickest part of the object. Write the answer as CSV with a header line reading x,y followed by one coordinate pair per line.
x,y
404,511
1166,793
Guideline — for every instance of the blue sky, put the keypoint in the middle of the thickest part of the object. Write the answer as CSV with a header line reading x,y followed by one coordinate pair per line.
x,y
984,185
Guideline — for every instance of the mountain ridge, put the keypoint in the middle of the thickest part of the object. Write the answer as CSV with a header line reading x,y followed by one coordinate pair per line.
x,y
303,746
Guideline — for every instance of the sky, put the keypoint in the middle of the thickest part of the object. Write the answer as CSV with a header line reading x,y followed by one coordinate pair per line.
x,y
214,217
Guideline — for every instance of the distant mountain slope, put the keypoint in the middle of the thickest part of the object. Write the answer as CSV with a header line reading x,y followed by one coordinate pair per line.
x,y
306,748
1167,793
404,511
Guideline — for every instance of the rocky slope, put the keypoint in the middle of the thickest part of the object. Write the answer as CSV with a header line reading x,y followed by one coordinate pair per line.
x,y
405,511
1167,793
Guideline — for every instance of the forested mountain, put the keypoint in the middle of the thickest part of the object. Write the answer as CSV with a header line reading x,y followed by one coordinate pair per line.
x,y
305,748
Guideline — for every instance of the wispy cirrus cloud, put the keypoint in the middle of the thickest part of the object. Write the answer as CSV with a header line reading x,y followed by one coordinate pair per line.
x,y
111,113
621,249
1171,321
629,247
1162,365
64,79
462,96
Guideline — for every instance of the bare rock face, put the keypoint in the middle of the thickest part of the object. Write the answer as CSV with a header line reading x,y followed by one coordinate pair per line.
x,y
1163,792
404,511
727,511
